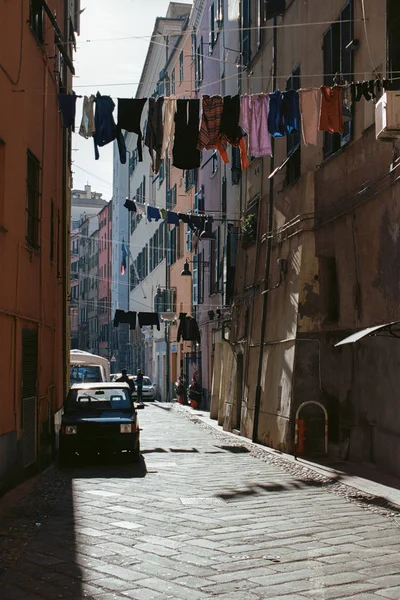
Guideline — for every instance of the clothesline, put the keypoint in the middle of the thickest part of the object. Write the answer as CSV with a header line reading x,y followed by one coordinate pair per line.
x,y
174,124
251,78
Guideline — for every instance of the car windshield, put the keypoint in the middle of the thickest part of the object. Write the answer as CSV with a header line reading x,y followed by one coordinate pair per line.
x,y
85,374
99,399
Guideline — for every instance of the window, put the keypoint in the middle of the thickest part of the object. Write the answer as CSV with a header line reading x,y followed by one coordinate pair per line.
x,y
293,146
171,197
213,32
246,31
195,280
36,19
188,238
199,64
52,230
393,42
173,81
338,60
190,179
33,198
167,86
161,172
181,67
194,47
199,201
329,286
214,163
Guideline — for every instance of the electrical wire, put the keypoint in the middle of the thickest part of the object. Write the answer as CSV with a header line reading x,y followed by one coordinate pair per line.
x,y
206,30
366,36
12,81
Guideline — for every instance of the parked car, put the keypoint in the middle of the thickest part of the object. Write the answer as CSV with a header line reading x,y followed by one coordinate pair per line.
x,y
149,388
100,418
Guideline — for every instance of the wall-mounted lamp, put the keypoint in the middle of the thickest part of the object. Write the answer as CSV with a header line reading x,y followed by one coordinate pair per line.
x,y
186,271
208,233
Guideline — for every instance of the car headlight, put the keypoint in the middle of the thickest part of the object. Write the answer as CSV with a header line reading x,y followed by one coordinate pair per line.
x,y
125,428
71,429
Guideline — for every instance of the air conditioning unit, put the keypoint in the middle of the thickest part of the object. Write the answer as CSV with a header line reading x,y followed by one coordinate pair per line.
x,y
387,116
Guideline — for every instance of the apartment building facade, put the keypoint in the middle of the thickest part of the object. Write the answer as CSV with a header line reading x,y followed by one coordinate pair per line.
x,y
319,263
104,282
36,49
154,246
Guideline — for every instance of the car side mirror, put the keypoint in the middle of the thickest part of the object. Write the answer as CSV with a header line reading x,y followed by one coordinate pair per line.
x,y
139,406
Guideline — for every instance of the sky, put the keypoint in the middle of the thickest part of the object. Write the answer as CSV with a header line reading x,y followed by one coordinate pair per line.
x,y
104,64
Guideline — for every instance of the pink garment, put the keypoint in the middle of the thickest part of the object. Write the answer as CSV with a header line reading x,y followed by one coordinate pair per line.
x,y
310,100
254,120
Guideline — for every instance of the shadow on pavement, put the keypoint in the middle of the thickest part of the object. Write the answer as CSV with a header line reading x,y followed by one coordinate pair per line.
x,y
41,553
258,488
235,449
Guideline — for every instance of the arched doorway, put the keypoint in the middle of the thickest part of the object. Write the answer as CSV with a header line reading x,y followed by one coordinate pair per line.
x,y
311,431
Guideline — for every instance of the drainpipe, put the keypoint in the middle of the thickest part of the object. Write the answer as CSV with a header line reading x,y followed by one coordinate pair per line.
x,y
268,255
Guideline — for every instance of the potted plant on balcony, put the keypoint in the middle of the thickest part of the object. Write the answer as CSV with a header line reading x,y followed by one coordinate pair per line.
x,y
249,230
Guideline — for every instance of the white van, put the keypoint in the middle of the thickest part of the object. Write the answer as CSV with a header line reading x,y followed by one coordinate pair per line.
x,y
88,368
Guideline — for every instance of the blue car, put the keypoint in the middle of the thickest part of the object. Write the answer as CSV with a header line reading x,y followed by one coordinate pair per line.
x,y
99,418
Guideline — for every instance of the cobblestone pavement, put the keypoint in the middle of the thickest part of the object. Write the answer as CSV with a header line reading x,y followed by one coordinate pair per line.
x,y
200,517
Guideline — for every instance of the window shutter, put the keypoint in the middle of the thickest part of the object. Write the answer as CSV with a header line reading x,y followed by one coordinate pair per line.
x,y
178,241
168,244
195,280
188,238
161,241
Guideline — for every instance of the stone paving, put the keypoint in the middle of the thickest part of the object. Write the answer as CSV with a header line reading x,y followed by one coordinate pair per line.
x,y
198,518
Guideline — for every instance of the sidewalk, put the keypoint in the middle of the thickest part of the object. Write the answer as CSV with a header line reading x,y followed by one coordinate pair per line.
x,y
363,478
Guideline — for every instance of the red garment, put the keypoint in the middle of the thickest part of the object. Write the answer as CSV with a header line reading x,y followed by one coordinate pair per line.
x,y
331,115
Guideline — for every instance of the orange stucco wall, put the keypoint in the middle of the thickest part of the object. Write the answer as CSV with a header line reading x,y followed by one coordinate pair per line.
x,y
32,292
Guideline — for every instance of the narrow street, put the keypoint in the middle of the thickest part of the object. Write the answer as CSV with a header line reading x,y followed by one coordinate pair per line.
x,y
200,517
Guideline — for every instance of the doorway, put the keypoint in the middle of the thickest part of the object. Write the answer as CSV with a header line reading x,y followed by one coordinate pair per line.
x,y
29,396
239,389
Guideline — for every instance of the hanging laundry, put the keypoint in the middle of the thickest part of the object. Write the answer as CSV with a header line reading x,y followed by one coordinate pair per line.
x,y
141,209
230,132
154,132
273,8
172,218
184,217
188,329
147,318
87,128
105,127
125,317
291,111
212,107
169,125
276,126
67,104
309,101
235,166
185,153
331,115
356,89
130,205
254,121
129,117
153,213
197,222
163,213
